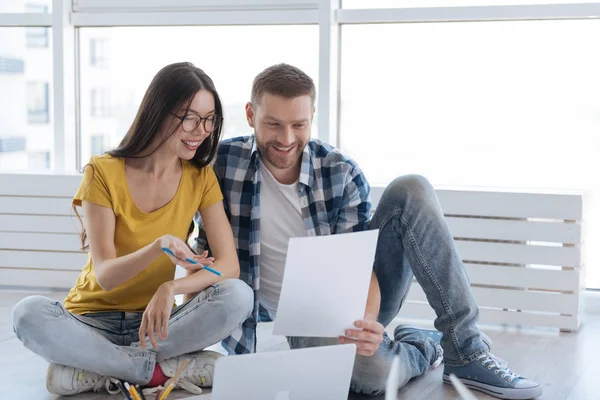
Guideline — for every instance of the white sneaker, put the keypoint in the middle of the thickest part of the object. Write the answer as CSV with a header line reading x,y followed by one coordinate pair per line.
x,y
63,380
198,373
440,357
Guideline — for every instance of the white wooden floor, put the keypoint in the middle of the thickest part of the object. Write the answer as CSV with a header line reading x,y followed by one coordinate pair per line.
x,y
566,364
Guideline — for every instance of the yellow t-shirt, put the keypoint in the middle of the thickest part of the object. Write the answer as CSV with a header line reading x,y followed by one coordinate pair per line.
x,y
105,184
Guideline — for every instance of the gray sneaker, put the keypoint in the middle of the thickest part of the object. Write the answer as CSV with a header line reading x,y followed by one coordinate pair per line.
x,y
63,380
489,374
198,373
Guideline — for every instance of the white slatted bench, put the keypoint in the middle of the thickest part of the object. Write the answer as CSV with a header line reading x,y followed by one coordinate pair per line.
x,y
523,251
39,240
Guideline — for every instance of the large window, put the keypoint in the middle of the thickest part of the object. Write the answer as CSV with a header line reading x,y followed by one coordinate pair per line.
x,y
504,104
230,55
25,102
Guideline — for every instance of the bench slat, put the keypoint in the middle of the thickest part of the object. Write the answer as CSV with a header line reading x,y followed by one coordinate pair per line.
x,y
522,277
514,299
51,279
35,206
519,253
40,241
50,185
39,223
42,260
515,205
483,203
487,316
497,229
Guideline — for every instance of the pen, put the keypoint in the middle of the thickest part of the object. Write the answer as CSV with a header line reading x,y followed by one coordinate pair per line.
x,y
214,271
124,391
170,384
132,391
166,392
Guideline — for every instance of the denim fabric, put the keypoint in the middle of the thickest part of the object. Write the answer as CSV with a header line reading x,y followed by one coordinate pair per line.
x,y
108,343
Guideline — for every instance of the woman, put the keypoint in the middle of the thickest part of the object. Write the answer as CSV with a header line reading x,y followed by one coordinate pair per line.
x,y
138,200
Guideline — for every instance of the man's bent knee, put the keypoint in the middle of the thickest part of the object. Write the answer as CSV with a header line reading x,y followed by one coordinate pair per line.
x,y
413,185
409,193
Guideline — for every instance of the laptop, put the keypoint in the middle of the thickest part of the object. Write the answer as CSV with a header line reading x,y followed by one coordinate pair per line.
x,y
392,384
313,373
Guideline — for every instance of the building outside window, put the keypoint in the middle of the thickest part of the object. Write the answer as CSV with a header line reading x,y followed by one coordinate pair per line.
x,y
38,160
99,53
97,144
37,36
37,102
100,103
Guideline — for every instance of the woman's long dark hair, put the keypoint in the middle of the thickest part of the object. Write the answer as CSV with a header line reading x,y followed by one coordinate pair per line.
x,y
172,88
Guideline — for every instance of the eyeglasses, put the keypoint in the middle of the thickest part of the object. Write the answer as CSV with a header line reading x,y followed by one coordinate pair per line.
x,y
191,122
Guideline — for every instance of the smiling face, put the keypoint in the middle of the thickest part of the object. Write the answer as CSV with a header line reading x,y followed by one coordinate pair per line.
x,y
282,129
190,131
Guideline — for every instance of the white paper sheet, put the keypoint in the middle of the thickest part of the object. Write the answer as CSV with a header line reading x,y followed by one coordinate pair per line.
x,y
393,380
325,284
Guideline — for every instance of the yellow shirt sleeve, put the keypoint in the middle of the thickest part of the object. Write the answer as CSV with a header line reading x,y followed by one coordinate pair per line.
x,y
212,191
93,186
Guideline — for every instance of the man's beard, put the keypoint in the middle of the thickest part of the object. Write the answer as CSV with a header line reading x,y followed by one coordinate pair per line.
x,y
278,159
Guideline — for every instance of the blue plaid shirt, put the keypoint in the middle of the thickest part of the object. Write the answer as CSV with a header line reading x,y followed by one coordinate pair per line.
x,y
334,198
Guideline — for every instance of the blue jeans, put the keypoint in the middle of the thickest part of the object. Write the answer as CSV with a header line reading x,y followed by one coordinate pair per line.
x,y
414,240
108,342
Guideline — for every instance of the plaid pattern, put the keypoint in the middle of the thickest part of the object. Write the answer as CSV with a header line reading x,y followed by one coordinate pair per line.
x,y
334,198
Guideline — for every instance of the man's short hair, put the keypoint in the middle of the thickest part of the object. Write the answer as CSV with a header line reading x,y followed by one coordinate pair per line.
x,y
283,80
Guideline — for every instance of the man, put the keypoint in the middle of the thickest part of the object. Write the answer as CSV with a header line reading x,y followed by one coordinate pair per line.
x,y
279,184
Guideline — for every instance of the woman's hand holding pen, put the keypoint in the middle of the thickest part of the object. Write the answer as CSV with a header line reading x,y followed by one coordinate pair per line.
x,y
155,320
181,251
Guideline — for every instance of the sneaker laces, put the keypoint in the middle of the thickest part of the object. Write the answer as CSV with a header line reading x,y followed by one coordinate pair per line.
x,y
101,382
440,356
491,361
115,389
189,380
190,387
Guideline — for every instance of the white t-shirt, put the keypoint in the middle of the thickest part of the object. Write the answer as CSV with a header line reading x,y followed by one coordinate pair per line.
x,y
280,220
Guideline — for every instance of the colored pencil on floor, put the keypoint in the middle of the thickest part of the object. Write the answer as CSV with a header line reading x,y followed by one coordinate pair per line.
x,y
170,384
123,390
